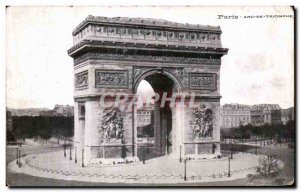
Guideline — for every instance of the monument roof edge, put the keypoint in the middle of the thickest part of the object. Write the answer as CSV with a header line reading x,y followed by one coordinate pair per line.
x,y
146,22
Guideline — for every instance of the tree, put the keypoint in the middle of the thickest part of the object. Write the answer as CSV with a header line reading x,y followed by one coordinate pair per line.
x,y
290,129
17,129
45,130
66,127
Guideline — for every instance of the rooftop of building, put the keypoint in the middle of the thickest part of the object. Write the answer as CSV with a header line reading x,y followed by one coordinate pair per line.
x,y
237,106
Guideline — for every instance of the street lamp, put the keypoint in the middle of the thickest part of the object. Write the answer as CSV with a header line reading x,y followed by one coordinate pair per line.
x,y
231,150
75,154
143,155
70,152
17,155
185,160
19,158
228,167
65,149
82,157
148,144
180,154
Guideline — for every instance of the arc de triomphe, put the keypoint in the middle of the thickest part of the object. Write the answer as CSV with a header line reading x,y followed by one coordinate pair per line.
x,y
113,55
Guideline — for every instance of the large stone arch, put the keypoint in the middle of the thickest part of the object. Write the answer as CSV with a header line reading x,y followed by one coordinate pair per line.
x,y
115,54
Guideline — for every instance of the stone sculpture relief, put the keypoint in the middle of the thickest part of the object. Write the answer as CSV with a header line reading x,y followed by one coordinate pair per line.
x,y
138,71
81,79
203,122
178,72
111,78
112,125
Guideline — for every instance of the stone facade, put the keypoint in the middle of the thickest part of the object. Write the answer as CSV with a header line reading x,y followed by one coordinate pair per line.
x,y
114,55
234,115
265,113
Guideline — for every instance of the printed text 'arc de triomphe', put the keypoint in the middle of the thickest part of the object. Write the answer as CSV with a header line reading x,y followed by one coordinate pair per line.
x,y
114,55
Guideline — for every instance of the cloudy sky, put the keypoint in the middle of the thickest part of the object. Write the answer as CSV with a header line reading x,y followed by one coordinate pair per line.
x,y
258,69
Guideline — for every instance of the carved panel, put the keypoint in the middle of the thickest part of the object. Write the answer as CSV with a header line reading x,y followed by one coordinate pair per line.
x,y
111,126
111,78
177,72
203,81
81,80
138,71
203,122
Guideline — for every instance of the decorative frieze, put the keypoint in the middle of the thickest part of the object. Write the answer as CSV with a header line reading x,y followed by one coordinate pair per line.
x,y
169,59
81,80
203,122
111,78
203,81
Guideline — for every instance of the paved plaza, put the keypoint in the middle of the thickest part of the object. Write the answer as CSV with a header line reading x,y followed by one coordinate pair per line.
x,y
157,170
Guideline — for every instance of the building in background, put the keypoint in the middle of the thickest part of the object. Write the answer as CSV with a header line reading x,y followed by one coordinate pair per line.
x,y
234,115
145,121
265,113
59,110
63,110
287,115
26,111
46,113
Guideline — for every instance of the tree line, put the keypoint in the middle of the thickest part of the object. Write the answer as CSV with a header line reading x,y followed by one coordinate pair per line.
x,y
276,131
44,127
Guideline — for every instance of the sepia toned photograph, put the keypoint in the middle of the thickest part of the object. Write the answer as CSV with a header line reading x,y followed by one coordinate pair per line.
x,y
150,96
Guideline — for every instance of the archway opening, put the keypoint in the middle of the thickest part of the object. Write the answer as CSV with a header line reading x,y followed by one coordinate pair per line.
x,y
154,117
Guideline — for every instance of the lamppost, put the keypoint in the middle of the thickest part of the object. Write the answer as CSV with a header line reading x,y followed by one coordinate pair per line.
x,y
70,152
75,154
148,144
255,146
17,156
82,157
180,154
144,155
185,160
228,167
65,149
231,150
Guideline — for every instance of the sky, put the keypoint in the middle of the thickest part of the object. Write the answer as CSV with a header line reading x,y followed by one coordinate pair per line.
x,y
259,67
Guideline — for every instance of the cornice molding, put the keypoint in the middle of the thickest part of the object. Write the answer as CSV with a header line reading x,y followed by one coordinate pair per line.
x,y
145,23
147,47
146,58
